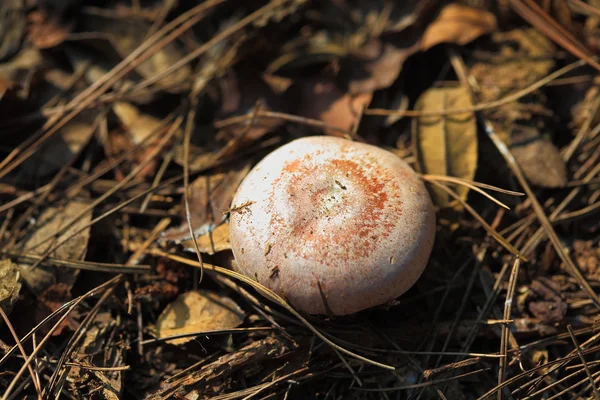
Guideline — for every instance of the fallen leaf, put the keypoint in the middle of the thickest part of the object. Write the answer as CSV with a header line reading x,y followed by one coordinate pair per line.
x,y
323,100
446,145
539,159
47,225
139,124
377,64
136,127
9,285
458,24
210,198
212,242
197,312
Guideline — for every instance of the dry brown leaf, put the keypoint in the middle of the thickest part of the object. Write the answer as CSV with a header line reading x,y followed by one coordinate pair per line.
x,y
48,224
197,312
458,24
211,242
322,100
137,126
539,159
9,285
446,145
377,64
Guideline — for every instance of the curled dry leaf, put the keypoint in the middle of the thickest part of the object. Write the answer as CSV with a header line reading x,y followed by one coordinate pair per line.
x,y
197,312
458,24
47,225
539,159
446,145
9,285
323,100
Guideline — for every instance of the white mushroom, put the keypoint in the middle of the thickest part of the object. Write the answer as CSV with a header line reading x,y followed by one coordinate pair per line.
x,y
333,226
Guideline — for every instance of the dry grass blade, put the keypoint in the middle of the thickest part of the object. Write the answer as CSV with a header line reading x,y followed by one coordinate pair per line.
x,y
425,384
283,116
88,96
570,266
34,377
189,127
585,365
42,343
528,374
153,154
247,20
268,293
86,265
473,186
61,368
208,333
482,106
512,285
539,18
478,217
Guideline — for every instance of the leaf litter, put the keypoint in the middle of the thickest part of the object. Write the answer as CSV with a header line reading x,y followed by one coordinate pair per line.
x,y
96,263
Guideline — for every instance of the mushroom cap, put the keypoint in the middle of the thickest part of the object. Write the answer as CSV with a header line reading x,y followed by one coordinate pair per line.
x,y
333,226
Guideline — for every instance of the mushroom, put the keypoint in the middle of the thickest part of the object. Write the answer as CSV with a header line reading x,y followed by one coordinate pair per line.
x,y
333,226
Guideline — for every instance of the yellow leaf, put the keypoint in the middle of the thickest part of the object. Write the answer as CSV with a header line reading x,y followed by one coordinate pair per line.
x,y
446,145
198,311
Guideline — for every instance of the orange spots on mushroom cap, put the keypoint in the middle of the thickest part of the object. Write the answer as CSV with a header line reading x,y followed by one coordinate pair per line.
x,y
340,207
